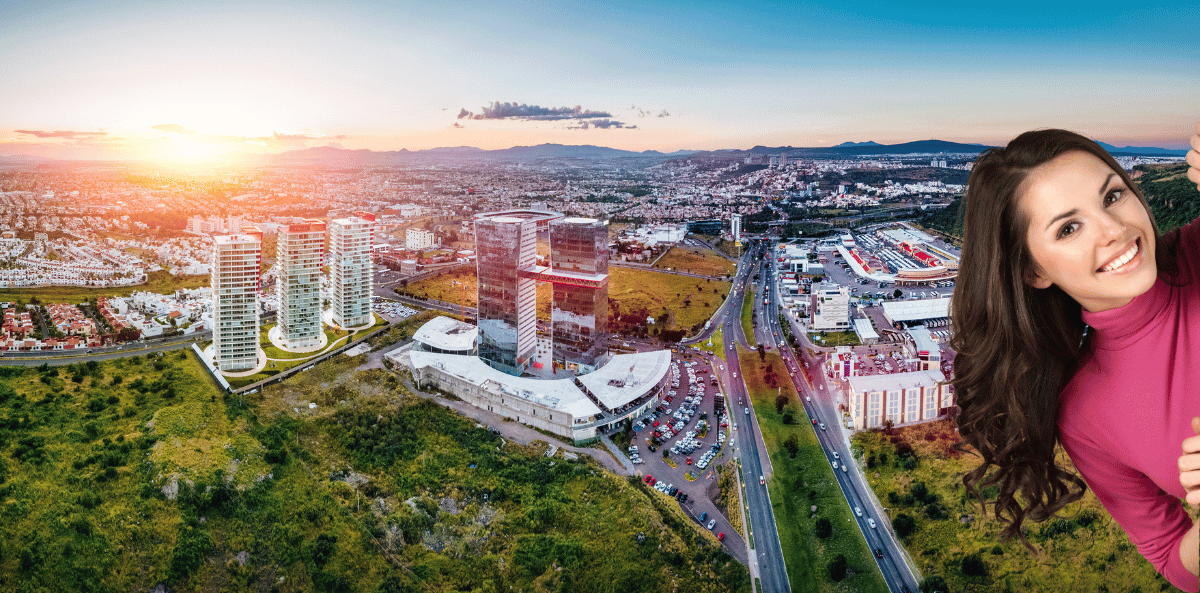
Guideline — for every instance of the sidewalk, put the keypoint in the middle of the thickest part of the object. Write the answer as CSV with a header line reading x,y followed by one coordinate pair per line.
x,y
619,454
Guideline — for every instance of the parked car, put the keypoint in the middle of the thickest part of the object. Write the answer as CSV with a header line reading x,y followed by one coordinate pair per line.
x,y
721,536
712,523
703,516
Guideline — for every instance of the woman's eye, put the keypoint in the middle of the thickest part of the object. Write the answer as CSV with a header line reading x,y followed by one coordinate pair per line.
x,y
1068,229
1114,196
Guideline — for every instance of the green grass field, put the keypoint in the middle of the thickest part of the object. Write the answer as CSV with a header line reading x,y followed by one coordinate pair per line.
x,y
748,314
123,475
718,344
803,481
697,260
688,301
158,282
949,526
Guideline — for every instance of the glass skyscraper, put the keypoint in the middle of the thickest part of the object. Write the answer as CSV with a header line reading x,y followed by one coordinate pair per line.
x,y
579,272
505,247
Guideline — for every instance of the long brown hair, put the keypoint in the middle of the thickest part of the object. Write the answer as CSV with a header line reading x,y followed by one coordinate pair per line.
x,y
1017,346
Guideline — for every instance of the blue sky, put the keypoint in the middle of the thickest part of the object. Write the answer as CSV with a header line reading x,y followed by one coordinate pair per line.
x,y
96,78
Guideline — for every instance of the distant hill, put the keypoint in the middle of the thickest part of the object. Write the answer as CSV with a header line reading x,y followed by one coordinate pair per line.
x,y
871,148
1140,150
856,144
340,157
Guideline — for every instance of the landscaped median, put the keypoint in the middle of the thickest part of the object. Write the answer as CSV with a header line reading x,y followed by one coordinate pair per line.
x,y
748,314
803,480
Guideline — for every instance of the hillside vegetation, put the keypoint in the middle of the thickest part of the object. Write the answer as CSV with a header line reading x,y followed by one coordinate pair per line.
x,y
123,475
1173,200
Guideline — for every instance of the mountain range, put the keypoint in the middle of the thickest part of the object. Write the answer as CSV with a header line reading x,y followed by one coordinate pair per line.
x,y
330,156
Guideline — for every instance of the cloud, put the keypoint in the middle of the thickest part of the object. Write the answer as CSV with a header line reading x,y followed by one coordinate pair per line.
x,y
458,125
523,112
603,124
178,129
61,134
664,114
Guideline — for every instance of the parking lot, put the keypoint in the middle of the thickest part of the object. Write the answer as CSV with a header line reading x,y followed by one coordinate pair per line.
x,y
693,430
391,310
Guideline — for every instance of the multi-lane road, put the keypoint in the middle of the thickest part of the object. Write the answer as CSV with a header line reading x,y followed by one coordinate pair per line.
x,y
820,403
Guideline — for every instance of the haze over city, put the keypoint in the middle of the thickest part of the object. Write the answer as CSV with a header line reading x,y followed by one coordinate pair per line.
x,y
189,83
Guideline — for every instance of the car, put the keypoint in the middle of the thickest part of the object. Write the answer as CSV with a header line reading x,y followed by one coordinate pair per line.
x,y
814,421
858,511
835,465
689,460
844,470
747,410
879,552
721,536
822,426
703,516
871,522
807,398
712,523
761,480
835,455
647,478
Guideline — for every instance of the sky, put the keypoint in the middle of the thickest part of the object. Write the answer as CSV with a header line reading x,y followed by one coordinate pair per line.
x,y
191,81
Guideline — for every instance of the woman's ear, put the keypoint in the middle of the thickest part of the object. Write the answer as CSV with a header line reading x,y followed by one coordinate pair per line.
x,y
1034,278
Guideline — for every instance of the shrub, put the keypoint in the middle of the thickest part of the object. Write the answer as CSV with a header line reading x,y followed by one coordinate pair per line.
x,y
904,525
973,566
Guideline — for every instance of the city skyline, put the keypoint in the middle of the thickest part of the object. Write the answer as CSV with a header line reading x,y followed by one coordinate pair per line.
x,y
182,83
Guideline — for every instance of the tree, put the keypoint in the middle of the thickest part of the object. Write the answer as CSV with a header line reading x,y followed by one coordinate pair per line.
x,y
762,352
837,568
897,294
934,584
792,445
904,525
973,566
780,402
823,528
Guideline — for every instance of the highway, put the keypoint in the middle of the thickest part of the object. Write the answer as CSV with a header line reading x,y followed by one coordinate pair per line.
x,y
821,405
767,554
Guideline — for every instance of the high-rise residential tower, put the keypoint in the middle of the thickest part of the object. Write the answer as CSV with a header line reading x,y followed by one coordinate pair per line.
x,y
301,248
235,274
579,273
735,228
351,277
506,249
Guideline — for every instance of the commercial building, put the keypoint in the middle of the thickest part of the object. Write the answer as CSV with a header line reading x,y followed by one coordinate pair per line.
x,y
236,262
705,227
300,249
416,239
507,299
630,385
831,308
351,277
579,273
443,335
903,398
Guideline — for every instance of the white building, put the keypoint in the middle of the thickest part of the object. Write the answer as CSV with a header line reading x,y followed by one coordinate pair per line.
x,y
903,398
831,311
351,272
235,267
300,249
735,226
416,239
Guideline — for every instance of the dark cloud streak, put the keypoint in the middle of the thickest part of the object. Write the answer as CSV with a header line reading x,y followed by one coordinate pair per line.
x,y
523,112
61,134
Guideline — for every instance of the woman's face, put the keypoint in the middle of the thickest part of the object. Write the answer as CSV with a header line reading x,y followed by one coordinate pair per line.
x,y
1088,233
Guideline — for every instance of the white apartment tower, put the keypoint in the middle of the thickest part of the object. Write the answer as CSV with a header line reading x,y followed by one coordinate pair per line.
x,y
351,270
735,228
235,273
301,248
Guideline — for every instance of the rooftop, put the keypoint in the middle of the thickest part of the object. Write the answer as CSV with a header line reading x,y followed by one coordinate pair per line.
x,y
894,381
445,333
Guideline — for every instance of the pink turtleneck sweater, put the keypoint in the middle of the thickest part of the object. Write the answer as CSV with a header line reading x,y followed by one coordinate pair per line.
x,y
1125,414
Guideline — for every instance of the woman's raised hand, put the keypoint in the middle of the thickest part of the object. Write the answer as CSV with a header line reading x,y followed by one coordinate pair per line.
x,y
1189,462
1193,158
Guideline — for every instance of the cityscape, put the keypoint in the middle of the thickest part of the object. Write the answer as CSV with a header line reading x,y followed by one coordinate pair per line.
x,y
453,343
